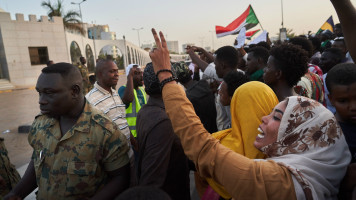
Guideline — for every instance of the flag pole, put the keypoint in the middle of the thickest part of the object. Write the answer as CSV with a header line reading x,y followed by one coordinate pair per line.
x,y
260,24
282,14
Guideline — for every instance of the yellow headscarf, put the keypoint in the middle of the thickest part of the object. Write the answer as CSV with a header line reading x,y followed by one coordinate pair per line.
x,y
250,103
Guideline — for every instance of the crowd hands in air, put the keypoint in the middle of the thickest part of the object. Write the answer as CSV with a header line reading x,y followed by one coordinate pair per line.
x,y
141,143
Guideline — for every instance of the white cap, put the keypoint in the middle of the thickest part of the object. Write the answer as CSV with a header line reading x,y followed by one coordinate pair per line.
x,y
128,68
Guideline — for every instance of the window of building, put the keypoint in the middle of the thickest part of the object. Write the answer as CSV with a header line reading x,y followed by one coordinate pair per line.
x,y
38,55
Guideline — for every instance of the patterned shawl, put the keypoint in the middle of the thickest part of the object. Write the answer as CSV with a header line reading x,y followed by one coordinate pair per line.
x,y
312,146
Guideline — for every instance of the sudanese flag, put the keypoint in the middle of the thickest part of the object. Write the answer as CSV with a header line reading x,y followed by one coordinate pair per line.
x,y
250,34
248,20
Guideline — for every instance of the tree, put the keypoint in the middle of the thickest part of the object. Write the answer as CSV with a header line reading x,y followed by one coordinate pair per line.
x,y
290,33
75,53
120,62
102,56
70,19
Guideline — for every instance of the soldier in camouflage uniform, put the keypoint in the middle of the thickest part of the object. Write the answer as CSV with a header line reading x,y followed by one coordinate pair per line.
x,y
87,86
78,153
8,173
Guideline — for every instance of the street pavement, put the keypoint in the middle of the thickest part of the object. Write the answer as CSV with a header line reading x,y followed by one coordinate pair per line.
x,y
19,107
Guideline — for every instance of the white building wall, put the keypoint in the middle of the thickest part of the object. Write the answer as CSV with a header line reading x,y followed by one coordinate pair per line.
x,y
173,46
179,57
81,41
108,35
110,50
17,35
144,59
147,46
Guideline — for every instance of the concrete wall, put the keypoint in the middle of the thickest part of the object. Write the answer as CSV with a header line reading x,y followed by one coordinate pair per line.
x,y
81,41
142,56
179,57
17,35
173,46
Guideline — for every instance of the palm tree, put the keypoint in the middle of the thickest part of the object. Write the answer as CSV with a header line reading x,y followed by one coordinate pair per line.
x,y
290,33
70,18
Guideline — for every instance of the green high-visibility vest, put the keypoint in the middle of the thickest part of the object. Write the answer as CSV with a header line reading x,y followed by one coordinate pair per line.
x,y
132,110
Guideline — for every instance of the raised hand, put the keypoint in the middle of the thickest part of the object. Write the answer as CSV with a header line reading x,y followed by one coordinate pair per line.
x,y
197,49
189,49
160,55
132,72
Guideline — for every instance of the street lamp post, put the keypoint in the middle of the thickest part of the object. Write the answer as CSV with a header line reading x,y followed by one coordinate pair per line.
x,y
80,10
138,35
126,59
81,17
282,31
282,13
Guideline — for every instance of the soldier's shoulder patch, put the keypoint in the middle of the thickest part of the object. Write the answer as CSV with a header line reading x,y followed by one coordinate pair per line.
x,y
100,118
42,119
104,122
38,115
41,122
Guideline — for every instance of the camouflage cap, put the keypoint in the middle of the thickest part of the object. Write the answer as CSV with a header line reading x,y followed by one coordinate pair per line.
x,y
181,70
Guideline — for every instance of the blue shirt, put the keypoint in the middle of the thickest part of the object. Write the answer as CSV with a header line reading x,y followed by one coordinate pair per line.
x,y
349,131
141,98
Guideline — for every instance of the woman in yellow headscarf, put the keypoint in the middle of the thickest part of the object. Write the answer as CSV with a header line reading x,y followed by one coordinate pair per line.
x,y
249,104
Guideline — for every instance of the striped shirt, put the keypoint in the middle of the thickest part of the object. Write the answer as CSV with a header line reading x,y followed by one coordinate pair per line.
x,y
111,105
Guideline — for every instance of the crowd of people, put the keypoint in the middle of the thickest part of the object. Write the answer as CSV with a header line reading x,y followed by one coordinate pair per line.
x,y
265,121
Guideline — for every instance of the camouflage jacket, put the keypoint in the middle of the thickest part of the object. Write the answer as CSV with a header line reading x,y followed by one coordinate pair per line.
x,y
87,86
7,171
74,166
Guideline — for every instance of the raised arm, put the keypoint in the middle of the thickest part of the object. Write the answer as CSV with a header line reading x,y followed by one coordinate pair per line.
x,y
196,60
242,177
241,50
347,16
209,56
128,96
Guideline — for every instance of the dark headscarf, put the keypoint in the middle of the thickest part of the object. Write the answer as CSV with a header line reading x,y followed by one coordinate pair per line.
x,y
150,80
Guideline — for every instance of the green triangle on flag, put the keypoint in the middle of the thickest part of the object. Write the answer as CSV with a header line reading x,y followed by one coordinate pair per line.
x,y
251,18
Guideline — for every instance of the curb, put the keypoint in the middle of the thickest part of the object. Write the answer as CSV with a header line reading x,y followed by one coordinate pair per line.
x,y
33,87
17,89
